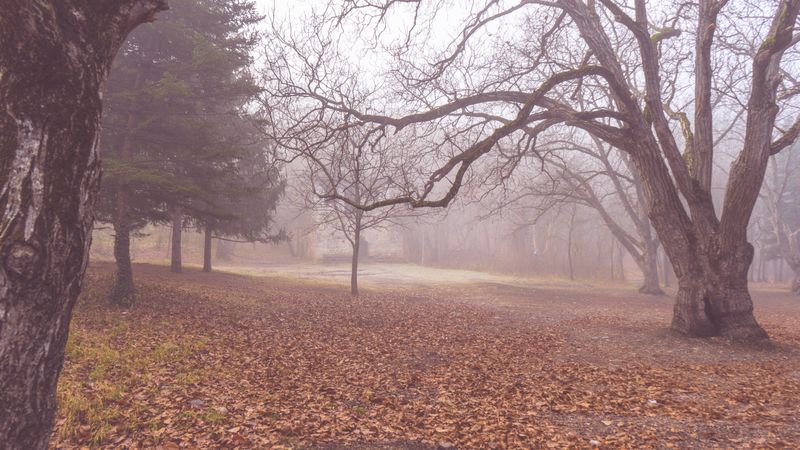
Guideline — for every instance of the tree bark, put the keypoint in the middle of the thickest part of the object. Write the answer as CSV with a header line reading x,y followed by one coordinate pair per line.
x,y
713,298
207,249
122,293
54,57
354,262
177,228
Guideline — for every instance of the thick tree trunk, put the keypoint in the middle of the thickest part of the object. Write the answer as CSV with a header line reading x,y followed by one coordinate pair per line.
x,y
122,292
710,262
177,228
54,58
207,249
713,298
354,262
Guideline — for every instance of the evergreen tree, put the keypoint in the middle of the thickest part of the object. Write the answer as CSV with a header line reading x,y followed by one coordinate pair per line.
x,y
239,207
177,85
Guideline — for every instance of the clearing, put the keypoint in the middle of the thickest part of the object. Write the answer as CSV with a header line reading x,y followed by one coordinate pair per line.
x,y
292,361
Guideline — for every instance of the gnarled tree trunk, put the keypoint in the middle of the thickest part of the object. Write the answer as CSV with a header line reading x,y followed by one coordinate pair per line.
x,y
54,57
710,264
713,298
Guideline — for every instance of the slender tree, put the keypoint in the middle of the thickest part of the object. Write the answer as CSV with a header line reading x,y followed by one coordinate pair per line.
x,y
361,168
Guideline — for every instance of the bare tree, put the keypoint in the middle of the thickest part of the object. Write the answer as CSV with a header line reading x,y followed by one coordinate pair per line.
x,y
54,58
593,174
780,196
360,169
644,67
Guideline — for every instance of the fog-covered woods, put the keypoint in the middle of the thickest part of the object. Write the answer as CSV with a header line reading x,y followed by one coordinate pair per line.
x,y
399,224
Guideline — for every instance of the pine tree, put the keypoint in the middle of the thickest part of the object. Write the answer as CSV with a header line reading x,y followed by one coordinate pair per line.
x,y
176,87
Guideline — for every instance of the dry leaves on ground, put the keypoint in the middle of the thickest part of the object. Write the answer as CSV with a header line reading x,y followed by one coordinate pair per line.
x,y
220,360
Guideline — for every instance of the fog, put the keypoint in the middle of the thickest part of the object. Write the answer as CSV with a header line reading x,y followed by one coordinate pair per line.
x,y
399,224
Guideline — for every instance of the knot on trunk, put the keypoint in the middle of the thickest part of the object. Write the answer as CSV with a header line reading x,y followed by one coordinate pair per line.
x,y
22,260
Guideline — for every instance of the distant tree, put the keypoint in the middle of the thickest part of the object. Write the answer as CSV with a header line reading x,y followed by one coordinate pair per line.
x,y
595,175
176,87
781,198
241,205
54,57
358,168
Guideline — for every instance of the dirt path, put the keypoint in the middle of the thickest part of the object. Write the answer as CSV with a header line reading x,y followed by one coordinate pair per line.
x,y
224,360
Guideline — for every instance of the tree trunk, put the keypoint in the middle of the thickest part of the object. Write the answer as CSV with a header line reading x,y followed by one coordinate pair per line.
x,y
354,263
650,285
207,249
54,57
122,293
177,228
611,252
621,261
569,245
649,266
713,298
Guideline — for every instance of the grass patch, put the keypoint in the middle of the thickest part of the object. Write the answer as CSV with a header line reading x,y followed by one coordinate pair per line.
x,y
105,367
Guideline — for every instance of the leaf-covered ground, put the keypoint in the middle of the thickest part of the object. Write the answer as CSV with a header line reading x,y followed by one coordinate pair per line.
x,y
224,361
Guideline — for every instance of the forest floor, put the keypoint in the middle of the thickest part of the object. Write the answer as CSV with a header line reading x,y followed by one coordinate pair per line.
x,y
230,360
